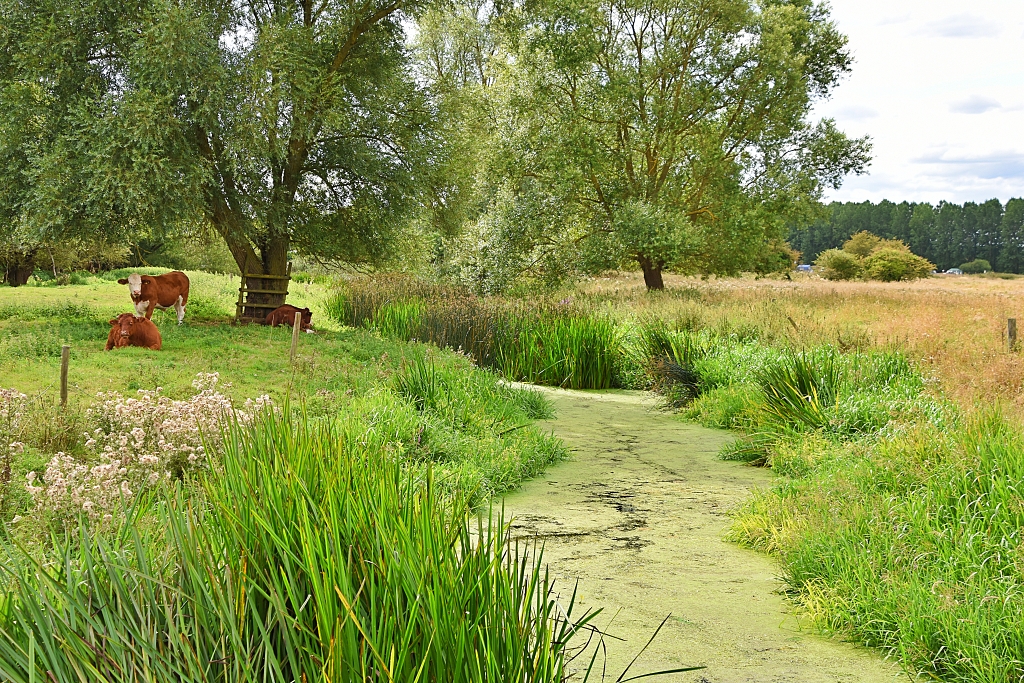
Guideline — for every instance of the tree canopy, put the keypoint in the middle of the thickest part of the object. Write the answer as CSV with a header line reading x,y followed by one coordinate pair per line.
x,y
673,134
554,135
283,125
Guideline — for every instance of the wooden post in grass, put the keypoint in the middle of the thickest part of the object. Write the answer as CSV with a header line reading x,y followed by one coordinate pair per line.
x,y
1011,334
296,328
65,355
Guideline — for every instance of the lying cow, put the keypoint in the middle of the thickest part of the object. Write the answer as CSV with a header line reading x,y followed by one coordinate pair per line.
x,y
285,315
150,292
129,330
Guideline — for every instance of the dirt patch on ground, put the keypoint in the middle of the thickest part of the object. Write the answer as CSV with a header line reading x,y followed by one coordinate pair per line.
x,y
637,517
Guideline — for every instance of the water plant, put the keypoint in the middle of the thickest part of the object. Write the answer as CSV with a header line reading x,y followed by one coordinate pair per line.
x,y
802,387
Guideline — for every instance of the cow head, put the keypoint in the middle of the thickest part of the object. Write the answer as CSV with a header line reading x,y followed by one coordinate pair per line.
x,y
123,324
134,282
307,317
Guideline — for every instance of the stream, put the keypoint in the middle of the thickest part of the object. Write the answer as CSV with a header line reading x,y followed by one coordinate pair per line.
x,y
637,516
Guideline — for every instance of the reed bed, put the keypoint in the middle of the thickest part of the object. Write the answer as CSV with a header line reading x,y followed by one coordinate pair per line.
x,y
543,342
314,555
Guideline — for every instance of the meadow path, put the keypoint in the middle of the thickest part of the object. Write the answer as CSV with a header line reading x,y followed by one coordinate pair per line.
x,y
637,516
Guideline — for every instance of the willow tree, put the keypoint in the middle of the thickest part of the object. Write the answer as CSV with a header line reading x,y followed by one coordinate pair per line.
x,y
677,134
284,125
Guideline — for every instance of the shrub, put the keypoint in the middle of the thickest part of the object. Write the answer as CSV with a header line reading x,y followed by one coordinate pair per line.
x,y
977,266
892,265
838,265
862,244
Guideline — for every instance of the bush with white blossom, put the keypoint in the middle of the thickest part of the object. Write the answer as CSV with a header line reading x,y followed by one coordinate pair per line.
x,y
140,441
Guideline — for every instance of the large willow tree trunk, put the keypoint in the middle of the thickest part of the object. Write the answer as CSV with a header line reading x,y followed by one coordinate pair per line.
x,y
652,272
270,260
273,262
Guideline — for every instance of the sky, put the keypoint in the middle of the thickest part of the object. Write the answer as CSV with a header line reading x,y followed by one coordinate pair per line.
x,y
939,87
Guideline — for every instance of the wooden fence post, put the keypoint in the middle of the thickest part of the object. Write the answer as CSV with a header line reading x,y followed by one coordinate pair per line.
x,y
65,355
1011,334
296,328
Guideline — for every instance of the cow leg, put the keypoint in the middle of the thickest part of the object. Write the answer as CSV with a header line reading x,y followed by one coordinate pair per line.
x,y
142,308
179,308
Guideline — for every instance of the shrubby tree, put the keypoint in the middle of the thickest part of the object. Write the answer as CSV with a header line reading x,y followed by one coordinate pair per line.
x,y
873,258
673,135
891,264
287,126
976,266
838,264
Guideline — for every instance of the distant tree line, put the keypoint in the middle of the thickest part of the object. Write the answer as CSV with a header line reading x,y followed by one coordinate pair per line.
x,y
946,234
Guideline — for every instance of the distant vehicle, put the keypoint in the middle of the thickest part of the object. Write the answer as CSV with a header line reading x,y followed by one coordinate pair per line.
x,y
954,271
804,268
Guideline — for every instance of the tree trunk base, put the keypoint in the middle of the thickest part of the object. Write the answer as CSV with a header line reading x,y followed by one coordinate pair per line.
x,y
652,273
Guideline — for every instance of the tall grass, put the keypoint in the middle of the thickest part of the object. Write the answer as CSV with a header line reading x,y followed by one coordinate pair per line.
x,y
899,518
314,556
548,343
912,544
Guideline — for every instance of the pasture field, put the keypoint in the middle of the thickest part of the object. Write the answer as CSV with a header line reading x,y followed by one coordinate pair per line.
x,y
202,494
891,414
336,371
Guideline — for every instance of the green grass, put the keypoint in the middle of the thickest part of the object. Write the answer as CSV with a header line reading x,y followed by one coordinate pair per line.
x,y
490,447
336,541
897,518
537,342
313,555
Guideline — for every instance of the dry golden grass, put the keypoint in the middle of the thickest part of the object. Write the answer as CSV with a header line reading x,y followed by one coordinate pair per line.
x,y
955,327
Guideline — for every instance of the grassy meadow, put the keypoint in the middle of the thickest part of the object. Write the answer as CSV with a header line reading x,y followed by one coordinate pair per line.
x,y
199,493
891,413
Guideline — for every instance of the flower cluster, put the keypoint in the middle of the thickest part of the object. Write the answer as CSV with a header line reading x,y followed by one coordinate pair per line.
x,y
12,411
139,442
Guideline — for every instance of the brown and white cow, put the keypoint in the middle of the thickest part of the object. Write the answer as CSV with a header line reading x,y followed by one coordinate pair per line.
x,y
129,330
285,315
150,292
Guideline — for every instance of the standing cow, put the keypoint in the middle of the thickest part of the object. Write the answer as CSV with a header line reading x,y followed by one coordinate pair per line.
x,y
129,330
150,292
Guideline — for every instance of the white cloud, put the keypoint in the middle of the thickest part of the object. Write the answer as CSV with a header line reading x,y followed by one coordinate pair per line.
x,y
914,79
856,112
996,165
961,26
976,104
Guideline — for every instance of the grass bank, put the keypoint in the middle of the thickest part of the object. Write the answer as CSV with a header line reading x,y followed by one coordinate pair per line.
x,y
538,341
480,437
897,515
212,511
312,553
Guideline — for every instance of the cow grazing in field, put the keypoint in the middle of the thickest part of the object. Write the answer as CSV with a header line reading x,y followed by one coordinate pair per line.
x,y
285,315
129,330
150,292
